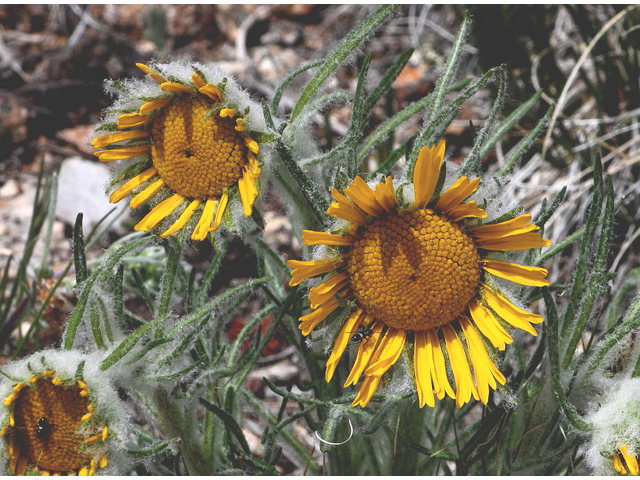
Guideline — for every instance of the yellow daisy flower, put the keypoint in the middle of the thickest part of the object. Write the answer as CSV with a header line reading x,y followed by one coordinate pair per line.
x,y
189,124
625,462
51,429
414,278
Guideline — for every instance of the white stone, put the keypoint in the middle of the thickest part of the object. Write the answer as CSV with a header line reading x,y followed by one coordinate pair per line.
x,y
81,188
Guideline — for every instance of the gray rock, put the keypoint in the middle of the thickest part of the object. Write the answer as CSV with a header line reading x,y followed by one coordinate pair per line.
x,y
81,188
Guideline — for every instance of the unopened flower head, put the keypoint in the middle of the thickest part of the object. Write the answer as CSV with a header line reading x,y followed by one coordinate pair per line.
x,y
615,436
188,129
413,276
58,417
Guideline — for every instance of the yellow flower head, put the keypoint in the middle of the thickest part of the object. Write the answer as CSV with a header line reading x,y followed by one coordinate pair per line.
x,y
54,420
414,278
187,126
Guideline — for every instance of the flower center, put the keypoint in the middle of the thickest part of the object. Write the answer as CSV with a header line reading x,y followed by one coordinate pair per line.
x,y
197,156
414,270
52,443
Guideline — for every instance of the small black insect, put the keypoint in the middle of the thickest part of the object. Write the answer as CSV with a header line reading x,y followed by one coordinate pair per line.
x,y
360,336
43,428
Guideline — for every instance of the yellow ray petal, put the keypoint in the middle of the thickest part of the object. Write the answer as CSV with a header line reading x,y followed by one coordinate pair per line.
x,y
617,464
175,87
112,138
426,173
488,325
159,212
460,367
630,460
248,192
361,194
342,340
129,186
513,243
182,220
146,194
345,209
222,206
456,194
227,112
522,274
211,91
387,353
310,321
510,313
465,210
424,370
386,196
485,370
122,153
303,270
239,125
128,120
366,391
197,80
365,351
480,234
309,237
322,293
251,144
329,284
255,166
515,225
441,383
201,230
150,72
154,105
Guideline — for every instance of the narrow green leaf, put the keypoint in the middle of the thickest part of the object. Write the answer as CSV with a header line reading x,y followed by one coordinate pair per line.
x,y
449,69
289,437
546,214
173,249
79,258
551,331
580,272
443,116
100,273
94,315
285,83
246,330
267,115
335,59
509,122
611,339
389,125
212,271
433,117
224,299
474,159
147,348
330,428
229,422
151,451
525,143
630,284
388,79
314,198
130,342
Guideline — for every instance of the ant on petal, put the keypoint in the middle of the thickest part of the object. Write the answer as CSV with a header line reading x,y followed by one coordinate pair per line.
x,y
360,336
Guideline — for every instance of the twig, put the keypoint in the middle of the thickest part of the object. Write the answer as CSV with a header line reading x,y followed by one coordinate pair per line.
x,y
241,37
574,74
7,58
